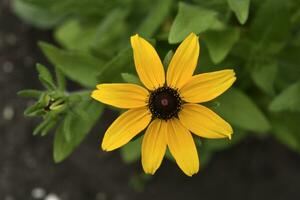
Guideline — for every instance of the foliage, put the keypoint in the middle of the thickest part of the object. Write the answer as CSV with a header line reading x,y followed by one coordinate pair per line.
x,y
259,39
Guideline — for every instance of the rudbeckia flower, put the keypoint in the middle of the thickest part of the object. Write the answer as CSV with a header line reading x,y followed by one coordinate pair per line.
x,y
167,107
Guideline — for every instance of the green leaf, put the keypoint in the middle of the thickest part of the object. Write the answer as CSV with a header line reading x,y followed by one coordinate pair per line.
x,y
75,35
288,66
80,112
45,77
219,43
112,69
79,96
60,79
268,29
242,112
35,110
86,10
264,76
189,19
31,93
168,59
48,128
67,127
79,129
105,36
221,144
132,151
78,66
286,130
288,100
111,33
130,78
211,104
155,18
123,60
45,126
240,9
36,16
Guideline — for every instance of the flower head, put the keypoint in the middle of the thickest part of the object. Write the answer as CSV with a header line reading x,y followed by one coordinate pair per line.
x,y
168,107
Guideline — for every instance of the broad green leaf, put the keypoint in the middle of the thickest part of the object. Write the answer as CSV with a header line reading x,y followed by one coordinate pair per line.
x,y
112,69
155,18
295,18
264,76
288,100
111,33
208,146
241,111
221,144
31,93
296,39
277,25
36,16
80,112
78,66
130,78
270,29
123,61
132,150
86,10
191,18
76,97
79,129
45,77
75,35
286,129
289,70
103,36
219,43
240,9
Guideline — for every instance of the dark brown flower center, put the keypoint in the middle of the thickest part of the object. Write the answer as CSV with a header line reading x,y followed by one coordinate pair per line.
x,y
164,103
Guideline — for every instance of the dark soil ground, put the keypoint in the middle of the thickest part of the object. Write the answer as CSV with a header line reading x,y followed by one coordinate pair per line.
x,y
255,169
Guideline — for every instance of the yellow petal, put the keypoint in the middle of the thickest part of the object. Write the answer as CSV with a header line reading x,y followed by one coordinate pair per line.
x,y
184,62
204,122
121,95
125,127
154,146
182,147
207,86
147,63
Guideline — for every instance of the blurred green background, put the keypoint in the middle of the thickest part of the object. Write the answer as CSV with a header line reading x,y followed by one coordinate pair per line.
x,y
87,42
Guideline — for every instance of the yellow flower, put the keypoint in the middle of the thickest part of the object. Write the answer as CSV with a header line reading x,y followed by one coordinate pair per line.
x,y
168,104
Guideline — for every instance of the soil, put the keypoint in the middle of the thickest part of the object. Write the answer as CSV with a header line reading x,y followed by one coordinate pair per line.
x,y
255,169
